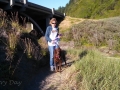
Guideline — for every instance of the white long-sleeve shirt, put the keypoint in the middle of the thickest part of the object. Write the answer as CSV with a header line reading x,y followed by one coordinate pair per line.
x,y
53,36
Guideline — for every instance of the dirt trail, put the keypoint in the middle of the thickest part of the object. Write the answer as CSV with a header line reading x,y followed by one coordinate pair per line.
x,y
47,80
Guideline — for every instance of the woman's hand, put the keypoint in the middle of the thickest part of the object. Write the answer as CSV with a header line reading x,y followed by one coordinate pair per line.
x,y
59,36
54,31
53,41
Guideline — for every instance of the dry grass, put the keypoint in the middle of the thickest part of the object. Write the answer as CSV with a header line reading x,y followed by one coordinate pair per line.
x,y
68,22
42,41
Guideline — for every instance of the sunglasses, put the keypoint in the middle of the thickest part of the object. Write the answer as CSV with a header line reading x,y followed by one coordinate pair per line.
x,y
53,23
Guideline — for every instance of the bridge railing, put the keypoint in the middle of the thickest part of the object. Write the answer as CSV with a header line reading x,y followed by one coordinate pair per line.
x,y
31,5
42,8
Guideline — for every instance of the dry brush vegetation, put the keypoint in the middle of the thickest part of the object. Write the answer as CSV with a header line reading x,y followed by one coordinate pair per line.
x,y
18,45
93,70
94,33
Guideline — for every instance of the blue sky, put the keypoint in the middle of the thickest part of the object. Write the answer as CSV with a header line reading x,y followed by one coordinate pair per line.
x,y
50,3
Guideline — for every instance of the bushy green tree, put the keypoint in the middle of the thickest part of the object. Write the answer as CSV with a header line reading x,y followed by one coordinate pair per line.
x,y
61,9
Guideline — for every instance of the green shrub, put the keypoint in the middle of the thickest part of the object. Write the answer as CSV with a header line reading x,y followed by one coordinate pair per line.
x,y
104,32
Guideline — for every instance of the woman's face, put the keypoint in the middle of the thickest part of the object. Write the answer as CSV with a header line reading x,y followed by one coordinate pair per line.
x,y
53,23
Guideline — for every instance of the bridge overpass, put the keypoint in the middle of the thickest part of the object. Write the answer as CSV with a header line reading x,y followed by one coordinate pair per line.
x,y
38,15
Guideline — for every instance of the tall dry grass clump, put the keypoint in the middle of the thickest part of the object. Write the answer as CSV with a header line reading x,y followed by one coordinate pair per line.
x,y
97,72
3,19
13,33
31,50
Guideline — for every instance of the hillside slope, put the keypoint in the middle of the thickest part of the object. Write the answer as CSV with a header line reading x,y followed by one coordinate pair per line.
x,y
92,8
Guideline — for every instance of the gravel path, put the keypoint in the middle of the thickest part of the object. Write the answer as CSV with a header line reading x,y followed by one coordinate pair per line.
x,y
47,80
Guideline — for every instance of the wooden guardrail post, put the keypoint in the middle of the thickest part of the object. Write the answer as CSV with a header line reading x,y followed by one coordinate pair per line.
x,y
64,14
12,2
53,11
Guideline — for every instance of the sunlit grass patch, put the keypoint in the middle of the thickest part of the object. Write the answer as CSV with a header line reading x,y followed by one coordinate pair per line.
x,y
98,72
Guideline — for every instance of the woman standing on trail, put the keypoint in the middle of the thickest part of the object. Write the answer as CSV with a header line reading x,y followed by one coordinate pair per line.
x,y
52,37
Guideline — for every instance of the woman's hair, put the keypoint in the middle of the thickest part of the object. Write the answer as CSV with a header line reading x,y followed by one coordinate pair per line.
x,y
53,19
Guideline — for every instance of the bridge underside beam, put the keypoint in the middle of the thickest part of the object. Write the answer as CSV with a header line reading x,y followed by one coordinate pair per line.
x,y
34,23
